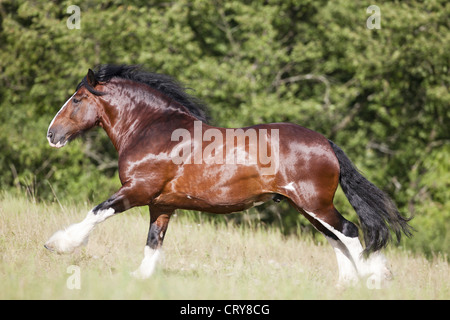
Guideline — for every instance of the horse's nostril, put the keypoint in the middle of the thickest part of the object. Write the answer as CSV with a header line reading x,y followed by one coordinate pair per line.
x,y
50,134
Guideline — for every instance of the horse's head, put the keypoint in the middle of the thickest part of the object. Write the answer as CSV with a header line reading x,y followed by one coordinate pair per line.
x,y
80,113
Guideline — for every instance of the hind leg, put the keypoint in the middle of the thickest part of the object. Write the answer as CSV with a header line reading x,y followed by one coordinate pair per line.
x,y
348,273
348,248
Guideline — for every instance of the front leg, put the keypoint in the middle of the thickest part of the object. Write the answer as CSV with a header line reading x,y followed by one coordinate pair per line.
x,y
67,240
159,220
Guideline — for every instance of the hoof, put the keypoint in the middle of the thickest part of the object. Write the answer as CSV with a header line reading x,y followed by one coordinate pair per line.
x,y
148,265
48,248
64,242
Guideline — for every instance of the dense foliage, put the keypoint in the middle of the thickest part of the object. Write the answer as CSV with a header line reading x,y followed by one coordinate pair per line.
x,y
381,94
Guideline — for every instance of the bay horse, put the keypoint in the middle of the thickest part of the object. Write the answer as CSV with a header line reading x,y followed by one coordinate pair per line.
x,y
170,158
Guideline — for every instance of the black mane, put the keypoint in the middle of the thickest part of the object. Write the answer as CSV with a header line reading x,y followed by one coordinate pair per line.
x,y
163,83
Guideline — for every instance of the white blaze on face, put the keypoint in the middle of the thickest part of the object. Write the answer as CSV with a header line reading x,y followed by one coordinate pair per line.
x,y
58,144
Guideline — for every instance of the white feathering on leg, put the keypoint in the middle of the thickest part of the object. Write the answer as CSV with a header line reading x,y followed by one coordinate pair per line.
x,y
148,264
75,235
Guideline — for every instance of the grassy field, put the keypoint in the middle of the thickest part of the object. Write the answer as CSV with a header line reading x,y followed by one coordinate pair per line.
x,y
201,261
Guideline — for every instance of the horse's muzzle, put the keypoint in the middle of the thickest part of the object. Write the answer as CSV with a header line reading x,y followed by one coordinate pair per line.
x,y
56,141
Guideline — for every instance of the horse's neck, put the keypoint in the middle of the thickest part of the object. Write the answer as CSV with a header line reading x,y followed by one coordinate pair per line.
x,y
135,119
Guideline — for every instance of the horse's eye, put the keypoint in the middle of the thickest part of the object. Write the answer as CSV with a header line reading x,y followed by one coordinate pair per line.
x,y
75,100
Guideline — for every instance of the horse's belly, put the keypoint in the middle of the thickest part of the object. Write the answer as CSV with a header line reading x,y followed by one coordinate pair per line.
x,y
208,203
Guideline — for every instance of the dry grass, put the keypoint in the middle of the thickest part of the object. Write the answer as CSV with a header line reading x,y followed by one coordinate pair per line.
x,y
201,261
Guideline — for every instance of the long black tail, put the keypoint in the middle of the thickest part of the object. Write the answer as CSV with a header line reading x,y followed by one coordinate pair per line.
x,y
377,213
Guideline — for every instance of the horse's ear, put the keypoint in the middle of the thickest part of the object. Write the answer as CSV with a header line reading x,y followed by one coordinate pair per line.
x,y
91,78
